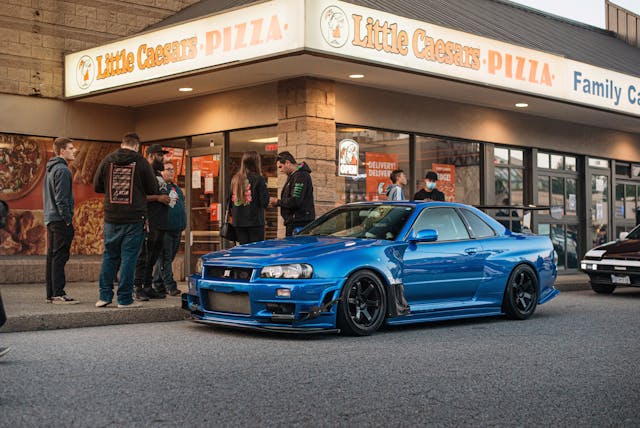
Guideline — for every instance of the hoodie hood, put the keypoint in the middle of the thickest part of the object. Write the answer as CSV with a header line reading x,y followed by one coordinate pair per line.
x,y
302,166
54,161
124,156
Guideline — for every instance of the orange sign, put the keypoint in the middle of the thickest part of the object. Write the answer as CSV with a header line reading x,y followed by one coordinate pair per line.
x,y
378,169
446,180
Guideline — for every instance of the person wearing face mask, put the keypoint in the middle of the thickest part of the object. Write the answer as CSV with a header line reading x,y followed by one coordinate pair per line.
x,y
157,224
430,192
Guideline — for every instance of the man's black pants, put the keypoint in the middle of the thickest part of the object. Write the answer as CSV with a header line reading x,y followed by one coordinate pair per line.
x,y
59,237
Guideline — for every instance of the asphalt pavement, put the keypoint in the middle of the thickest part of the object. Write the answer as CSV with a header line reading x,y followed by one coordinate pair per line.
x,y
27,311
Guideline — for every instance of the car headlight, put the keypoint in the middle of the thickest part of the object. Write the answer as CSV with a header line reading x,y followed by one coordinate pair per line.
x,y
293,271
199,266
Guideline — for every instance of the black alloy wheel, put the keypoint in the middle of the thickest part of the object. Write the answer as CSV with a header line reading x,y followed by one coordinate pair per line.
x,y
521,294
362,304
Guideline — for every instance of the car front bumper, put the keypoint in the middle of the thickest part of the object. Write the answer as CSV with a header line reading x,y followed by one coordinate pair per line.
x,y
612,272
310,308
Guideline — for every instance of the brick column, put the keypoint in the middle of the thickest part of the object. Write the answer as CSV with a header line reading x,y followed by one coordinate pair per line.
x,y
307,129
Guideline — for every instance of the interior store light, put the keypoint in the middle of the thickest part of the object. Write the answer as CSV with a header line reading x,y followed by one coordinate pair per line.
x,y
522,105
185,89
356,76
264,140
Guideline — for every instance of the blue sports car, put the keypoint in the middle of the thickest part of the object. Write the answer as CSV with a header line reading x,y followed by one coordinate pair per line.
x,y
364,264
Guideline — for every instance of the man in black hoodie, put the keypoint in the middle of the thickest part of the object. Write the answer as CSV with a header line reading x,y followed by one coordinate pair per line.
x,y
58,217
296,199
125,178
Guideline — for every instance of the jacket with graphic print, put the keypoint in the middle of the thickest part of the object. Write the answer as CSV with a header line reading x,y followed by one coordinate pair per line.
x,y
125,178
296,199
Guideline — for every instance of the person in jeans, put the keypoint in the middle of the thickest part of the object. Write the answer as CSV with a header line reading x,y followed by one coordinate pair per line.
x,y
157,222
57,195
249,198
163,280
296,198
125,178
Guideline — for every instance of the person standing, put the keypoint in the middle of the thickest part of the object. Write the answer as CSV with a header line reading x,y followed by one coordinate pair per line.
x,y
296,198
395,192
249,198
58,218
125,178
430,192
157,223
163,280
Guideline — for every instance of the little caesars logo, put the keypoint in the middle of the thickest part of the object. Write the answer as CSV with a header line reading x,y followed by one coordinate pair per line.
x,y
85,72
334,26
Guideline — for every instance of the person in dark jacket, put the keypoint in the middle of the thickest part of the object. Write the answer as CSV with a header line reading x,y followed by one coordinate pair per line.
x,y
4,213
58,218
249,198
158,219
296,198
125,178
430,192
163,281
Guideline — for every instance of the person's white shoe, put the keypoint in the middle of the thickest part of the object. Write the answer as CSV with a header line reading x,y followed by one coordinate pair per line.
x,y
102,304
130,305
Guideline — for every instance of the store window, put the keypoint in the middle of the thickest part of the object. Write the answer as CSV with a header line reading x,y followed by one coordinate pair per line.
x,y
627,197
366,158
509,186
457,165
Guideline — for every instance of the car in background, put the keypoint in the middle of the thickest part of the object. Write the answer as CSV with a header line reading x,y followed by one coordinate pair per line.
x,y
364,264
614,264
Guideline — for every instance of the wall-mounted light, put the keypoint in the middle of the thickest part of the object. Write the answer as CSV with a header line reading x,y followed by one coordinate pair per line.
x,y
522,105
356,76
264,140
185,89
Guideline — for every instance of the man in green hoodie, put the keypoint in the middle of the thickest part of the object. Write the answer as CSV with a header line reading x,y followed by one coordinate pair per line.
x,y
58,217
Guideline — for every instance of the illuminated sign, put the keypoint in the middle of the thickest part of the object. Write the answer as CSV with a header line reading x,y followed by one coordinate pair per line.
x,y
348,158
366,34
253,32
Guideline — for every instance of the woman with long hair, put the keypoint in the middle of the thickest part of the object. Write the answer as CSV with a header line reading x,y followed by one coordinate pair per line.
x,y
249,198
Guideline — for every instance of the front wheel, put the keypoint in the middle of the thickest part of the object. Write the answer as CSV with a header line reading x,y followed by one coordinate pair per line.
x,y
603,288
362,305
521,294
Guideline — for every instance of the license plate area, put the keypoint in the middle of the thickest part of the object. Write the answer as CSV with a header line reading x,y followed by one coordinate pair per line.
x,y
235,302
621,279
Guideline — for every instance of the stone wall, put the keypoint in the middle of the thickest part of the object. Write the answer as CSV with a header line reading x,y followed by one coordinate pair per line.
x,y
307,129
36,34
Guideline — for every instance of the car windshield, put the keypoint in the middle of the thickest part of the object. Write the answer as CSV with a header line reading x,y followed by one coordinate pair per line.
x,y
361,221
634,234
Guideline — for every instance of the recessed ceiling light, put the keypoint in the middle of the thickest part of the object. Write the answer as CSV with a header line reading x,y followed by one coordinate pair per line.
x,y
185,89
522,105
356,76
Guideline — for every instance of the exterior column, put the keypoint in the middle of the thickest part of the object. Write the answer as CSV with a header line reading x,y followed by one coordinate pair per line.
x,y
307,129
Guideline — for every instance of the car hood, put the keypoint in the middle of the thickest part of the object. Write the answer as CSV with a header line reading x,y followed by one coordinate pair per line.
x,y
626,249
288,250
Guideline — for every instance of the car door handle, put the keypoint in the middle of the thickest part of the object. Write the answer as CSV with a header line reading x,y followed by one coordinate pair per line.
x,y
471,251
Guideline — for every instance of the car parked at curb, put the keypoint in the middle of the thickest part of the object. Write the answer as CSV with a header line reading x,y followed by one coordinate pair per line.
x,y
364,264
614,264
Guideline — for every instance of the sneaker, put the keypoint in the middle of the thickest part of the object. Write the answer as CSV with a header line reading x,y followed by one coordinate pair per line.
x,y
153,294
102,304
64,300
175,292
130,305
141,295
4,351
49,300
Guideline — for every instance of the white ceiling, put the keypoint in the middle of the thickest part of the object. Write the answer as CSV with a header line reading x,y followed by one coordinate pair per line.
x,y
253,73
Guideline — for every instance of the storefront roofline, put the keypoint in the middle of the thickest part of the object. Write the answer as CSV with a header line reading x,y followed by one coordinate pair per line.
x,y
319,65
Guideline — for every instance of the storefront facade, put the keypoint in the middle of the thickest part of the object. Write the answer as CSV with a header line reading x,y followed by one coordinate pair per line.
x,y
275,76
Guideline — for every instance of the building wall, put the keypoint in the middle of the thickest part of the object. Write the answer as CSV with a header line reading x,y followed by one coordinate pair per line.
x,y
357,105
36,34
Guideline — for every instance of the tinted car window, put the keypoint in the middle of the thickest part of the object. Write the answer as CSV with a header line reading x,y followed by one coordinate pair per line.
x,y
445,221
478,227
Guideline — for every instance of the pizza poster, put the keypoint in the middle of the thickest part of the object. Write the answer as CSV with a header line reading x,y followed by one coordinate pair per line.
x,y
23,162
378,168
446,180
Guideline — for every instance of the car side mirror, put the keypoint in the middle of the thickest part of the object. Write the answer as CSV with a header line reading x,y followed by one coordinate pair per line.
x,y
425,235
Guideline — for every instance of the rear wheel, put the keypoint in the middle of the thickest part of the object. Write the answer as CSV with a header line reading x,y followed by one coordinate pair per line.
x,y
362,304
521,294
603,288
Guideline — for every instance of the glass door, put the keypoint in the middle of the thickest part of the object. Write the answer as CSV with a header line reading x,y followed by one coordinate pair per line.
x,y
205,183
600,208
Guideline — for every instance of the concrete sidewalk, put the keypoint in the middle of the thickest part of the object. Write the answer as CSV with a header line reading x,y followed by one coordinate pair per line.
x,y
27,311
